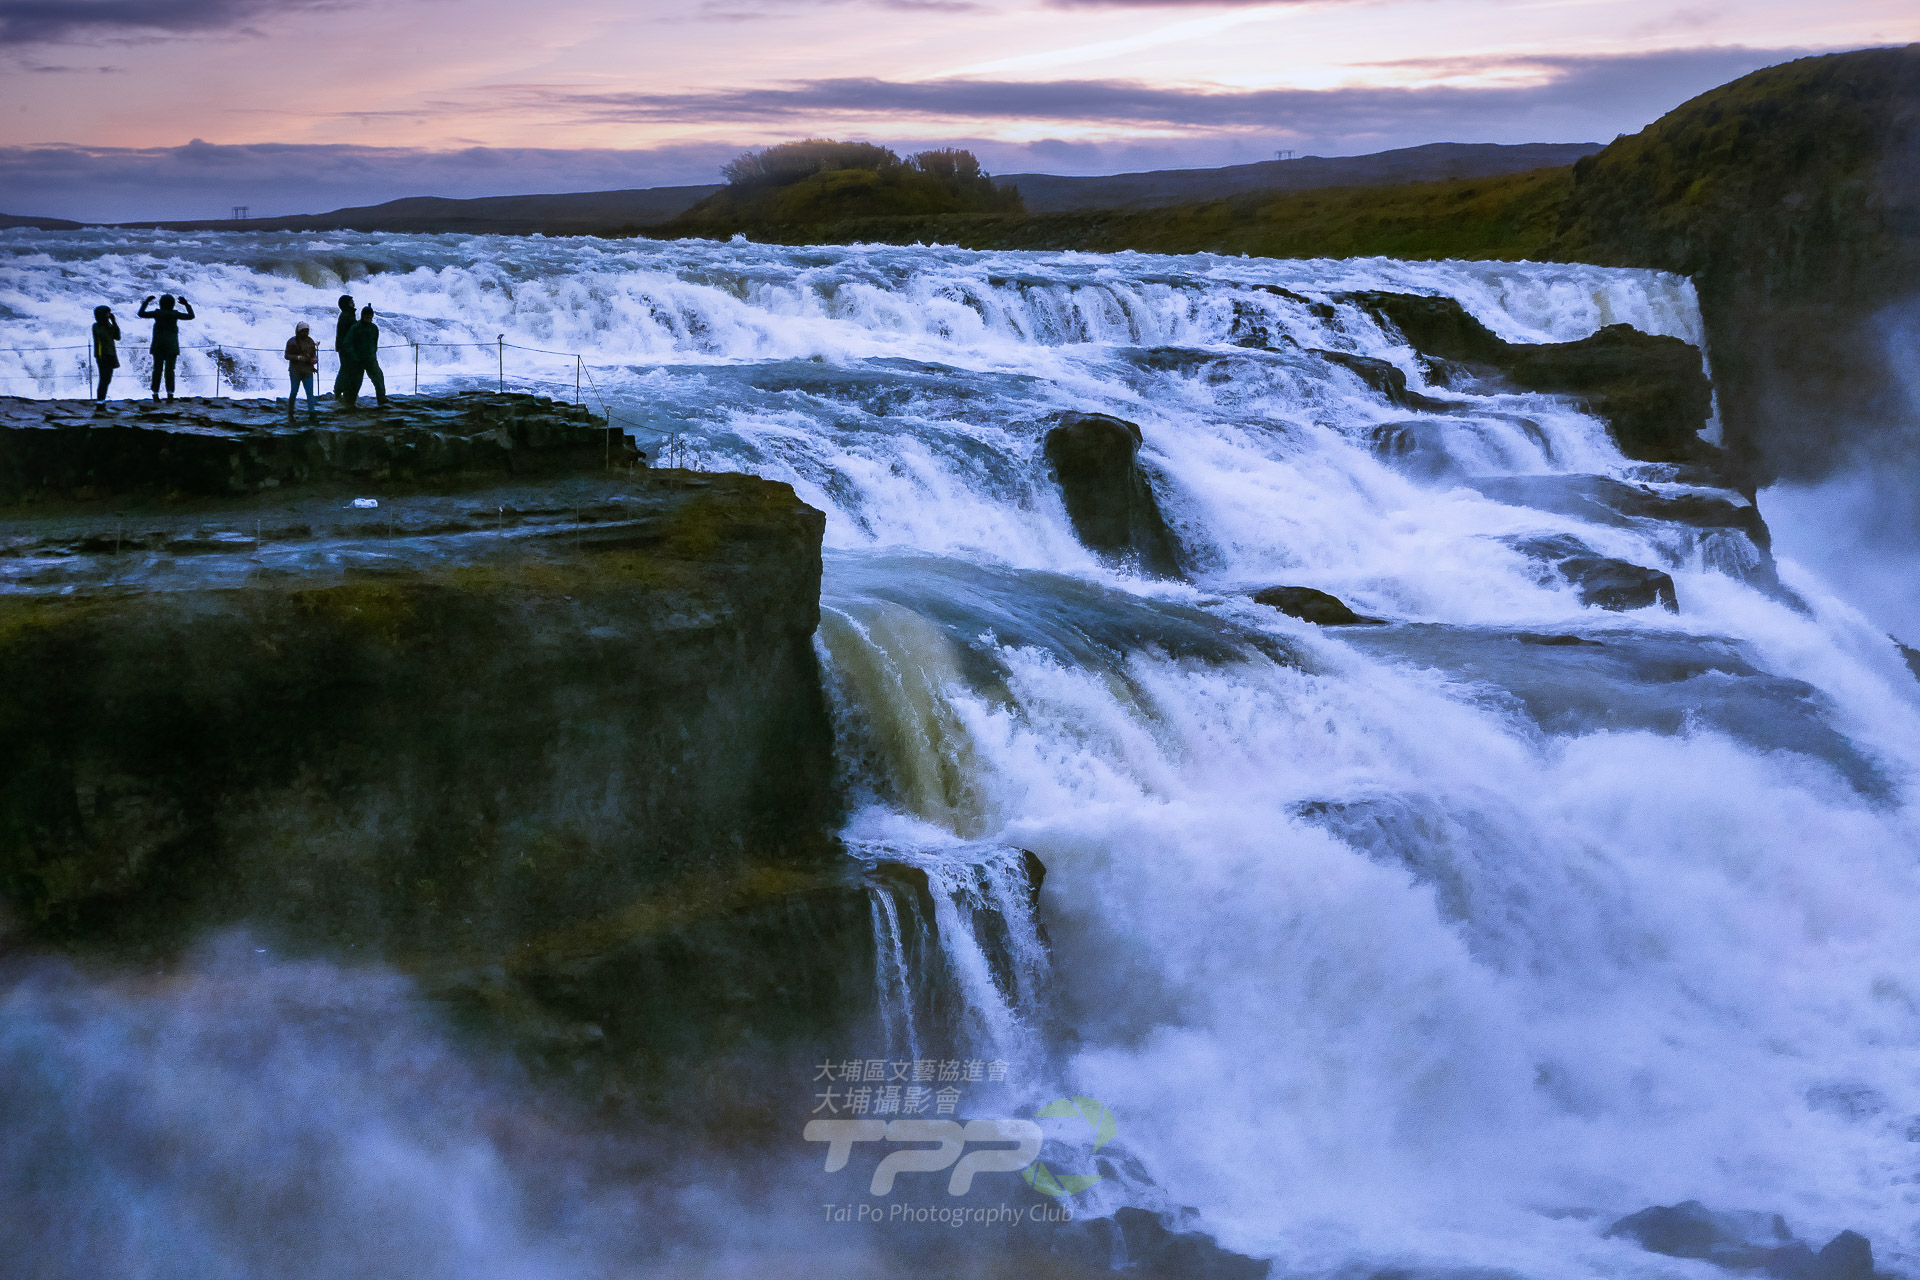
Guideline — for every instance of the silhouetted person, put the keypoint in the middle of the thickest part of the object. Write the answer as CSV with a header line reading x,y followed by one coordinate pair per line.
x,y
303,361
346,383
166,337
364,341
106,355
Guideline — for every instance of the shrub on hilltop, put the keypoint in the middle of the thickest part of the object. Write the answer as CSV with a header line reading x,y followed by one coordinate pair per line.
x,y
792,162
821,180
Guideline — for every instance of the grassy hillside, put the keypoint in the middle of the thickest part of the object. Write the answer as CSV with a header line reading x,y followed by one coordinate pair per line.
x,y
1796,180
1164,188
1792,197
1507,217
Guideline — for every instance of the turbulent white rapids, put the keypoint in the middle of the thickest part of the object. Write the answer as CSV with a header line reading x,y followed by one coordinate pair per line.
x,y
1414,947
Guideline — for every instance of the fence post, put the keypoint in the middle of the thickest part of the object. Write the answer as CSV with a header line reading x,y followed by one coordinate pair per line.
x,y
503,362
576,379
216,373
416,368
91,384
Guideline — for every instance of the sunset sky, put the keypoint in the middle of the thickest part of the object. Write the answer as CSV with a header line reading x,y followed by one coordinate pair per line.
x,y
128,108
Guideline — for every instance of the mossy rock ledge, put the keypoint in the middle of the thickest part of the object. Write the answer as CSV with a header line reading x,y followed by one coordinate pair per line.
x,y
528,713
1651,390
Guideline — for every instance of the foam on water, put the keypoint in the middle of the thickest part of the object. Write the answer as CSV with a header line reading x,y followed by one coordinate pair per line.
x,y
1410,951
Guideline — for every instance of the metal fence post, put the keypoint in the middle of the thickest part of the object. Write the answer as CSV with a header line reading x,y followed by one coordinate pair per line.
x,y
576,378
216,373
503,362
416,368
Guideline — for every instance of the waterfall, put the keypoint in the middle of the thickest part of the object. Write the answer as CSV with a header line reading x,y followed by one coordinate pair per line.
x,y
1437,944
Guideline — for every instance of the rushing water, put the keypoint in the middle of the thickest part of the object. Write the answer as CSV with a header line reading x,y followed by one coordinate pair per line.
x,y
1414,946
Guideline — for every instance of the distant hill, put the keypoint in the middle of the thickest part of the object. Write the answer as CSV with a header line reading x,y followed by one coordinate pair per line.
x,y
570,213
1435,162
614,212
8,220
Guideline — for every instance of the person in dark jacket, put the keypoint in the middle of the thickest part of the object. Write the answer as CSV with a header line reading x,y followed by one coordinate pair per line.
x,y
303,361
106,355
346,383
364,342
166,337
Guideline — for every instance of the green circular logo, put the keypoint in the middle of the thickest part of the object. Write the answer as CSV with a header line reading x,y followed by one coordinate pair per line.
x,y
1095,1113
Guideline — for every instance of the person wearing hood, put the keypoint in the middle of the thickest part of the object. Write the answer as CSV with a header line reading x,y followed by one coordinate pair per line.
x,y
346,383
303,361
364,341
106,352
166,337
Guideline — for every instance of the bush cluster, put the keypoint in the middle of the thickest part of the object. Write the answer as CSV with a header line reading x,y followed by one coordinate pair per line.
x,y
818,180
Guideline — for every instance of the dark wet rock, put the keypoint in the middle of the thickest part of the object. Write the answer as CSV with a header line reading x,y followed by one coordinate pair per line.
x,y
552,739
1650,389
1320,309
1604,500
1912,656
700,1000
1848,1256
1188,362
1254,327
53,450
1741,548
1434,326
472,741
1140,1243
1691,1230
1310,605
1416,447
1036,876
1746,1242
456,722
1553,641
1602,581
1107,493
1635,680
1388,380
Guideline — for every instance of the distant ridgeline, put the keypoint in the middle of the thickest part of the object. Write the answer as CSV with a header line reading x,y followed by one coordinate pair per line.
x,y
820,181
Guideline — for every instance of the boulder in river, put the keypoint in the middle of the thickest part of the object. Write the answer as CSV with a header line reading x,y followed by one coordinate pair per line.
x,y
1747,1242
1310,605
1108,497
1602,581
1387,380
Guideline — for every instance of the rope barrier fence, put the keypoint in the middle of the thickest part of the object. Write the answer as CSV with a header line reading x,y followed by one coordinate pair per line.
x,y
227,376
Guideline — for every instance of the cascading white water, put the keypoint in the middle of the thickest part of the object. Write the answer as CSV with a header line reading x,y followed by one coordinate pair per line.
x,y
1426,946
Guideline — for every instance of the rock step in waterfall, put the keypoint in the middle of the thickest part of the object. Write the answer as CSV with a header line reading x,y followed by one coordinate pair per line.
x,y
1651,390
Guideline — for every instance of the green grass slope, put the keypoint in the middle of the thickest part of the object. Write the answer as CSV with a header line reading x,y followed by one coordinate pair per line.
x,y
1794,179
1514,216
